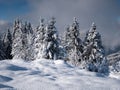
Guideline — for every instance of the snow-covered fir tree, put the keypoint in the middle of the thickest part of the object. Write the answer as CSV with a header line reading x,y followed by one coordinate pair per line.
x,y
73,43
30,38
38,41
22,41
7,43
2,53
27,42
51,41
94,53
17,41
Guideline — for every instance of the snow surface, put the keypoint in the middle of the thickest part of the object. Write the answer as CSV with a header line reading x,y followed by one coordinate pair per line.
x,y
52,75
113,57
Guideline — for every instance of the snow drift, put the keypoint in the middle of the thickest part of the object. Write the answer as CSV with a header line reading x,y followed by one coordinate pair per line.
x,y
51,75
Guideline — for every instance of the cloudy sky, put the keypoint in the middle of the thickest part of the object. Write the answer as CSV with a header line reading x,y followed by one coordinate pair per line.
x,y
105,13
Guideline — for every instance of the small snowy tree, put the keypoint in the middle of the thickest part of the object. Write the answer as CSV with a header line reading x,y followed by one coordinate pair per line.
x,y
17,40
7,43
94,54
22,41
2,53
27,42
51,41
38,41
30,40
73,43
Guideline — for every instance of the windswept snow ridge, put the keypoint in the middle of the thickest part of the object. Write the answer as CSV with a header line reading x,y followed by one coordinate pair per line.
x,y
51,75
115,57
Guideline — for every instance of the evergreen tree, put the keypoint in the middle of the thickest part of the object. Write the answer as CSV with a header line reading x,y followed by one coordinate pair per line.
x,y
17,41
2,53
30,38
38,41
51,41
27,42
7,43
94,54
73,43
23,41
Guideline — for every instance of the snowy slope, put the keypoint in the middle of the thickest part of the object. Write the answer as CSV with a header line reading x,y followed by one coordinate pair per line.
x,y
114,57
51,75
114,61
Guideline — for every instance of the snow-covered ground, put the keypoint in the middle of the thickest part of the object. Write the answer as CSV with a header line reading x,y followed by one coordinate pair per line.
x,y
52,75
113,57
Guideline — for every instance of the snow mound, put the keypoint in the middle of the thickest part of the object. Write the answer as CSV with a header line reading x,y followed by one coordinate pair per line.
x,y
62,63
59,62
53,75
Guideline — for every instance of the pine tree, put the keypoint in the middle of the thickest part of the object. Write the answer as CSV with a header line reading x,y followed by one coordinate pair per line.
x,y
30,38
7,43
51,41
62,50
38,41
73,43
94,53
2,53
22,41
27,42
17,41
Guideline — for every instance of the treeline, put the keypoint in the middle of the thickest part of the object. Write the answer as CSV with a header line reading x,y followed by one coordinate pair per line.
x,y
44,42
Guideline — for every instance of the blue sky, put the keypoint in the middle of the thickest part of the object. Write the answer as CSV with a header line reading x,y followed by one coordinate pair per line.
x,y
105,13
10,9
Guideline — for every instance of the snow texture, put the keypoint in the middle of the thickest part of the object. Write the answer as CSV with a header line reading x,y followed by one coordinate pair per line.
x,y
52,75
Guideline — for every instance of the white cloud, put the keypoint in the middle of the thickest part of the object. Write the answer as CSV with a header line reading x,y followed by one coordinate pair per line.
x,y
2,22
4,26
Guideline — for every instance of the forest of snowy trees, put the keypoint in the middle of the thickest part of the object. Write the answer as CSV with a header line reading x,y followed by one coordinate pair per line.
x,y
44,42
